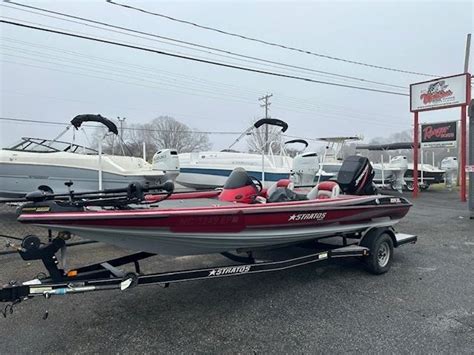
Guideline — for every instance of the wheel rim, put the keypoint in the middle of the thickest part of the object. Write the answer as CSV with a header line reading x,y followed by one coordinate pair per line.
x,y
383,255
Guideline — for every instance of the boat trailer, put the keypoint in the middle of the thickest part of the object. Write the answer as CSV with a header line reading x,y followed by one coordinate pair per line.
x,y
108,276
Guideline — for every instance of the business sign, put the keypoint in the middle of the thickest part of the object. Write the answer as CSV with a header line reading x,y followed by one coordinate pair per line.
x,y
440,93
435,135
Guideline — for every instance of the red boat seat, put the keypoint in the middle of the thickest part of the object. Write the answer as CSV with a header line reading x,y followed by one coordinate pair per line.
x,y
286,183
325,189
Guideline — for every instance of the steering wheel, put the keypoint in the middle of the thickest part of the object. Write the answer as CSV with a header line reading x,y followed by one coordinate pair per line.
x,y
257,183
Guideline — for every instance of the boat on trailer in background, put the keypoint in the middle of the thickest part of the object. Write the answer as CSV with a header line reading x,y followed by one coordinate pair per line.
x,y
36,163
390,173
238,222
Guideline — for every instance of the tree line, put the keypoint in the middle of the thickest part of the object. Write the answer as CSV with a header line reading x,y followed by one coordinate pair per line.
x,y
160,133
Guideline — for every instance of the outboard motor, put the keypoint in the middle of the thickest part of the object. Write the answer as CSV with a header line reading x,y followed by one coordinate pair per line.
x,y
356,175
450,164
304,169
167,161
399,162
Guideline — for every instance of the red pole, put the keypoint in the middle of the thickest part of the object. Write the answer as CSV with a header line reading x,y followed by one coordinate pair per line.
x,y
415,155
463,153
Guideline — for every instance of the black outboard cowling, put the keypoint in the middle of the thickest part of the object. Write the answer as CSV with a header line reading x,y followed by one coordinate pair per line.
x,y
356,175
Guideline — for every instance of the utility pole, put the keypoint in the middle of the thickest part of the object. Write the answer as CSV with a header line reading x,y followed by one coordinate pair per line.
x,y
466,55
121,126
266,104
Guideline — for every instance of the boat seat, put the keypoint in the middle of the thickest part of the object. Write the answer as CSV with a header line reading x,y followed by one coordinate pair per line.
x,y
282,183
282,191
323,190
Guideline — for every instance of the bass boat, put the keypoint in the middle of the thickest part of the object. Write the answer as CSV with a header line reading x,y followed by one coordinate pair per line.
x,y
241,216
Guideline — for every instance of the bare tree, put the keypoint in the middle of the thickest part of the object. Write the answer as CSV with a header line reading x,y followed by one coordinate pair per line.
x,y
162,132
166,132
256,141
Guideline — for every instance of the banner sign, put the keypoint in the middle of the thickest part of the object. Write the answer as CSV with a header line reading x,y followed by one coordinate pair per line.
x,y
434,135
440,93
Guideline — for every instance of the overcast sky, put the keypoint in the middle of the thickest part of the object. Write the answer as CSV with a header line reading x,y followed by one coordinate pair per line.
x,y
51,77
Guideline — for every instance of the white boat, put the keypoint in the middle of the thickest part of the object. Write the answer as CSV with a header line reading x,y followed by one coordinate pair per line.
x,y
204,170
36,163
391,173
427,175
210,169
398,173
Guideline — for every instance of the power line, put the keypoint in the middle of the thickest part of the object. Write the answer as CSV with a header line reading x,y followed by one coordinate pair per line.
x,y
186,42
296,105
23,120
274,44
190,80
190,58
213,84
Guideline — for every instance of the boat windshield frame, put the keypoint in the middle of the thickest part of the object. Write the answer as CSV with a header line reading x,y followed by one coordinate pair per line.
x,y
41,145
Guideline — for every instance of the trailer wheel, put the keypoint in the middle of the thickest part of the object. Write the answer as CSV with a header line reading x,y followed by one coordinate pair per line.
x,y
410,186
380,246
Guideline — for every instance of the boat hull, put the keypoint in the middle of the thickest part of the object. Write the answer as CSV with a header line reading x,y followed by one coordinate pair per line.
x,y
228,227
16,180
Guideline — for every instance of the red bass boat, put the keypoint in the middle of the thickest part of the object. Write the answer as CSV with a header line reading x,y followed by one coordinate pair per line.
x,y
242,216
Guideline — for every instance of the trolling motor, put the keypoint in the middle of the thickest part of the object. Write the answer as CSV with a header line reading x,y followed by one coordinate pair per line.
x,y
43,201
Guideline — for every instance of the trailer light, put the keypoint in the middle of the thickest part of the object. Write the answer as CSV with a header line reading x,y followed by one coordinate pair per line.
x,y
72,273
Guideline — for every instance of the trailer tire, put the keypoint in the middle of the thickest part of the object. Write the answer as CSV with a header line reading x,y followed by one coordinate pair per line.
x,y
380,245
410,186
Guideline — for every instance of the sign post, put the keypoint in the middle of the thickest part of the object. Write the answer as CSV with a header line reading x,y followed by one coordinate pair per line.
x,y
448,92
416,143
471,159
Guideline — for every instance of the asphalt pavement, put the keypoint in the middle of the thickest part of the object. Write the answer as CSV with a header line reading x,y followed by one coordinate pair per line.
x,y
424,304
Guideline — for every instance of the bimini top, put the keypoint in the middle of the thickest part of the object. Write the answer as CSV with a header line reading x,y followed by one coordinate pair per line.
x,y
80,119
40,145
387,146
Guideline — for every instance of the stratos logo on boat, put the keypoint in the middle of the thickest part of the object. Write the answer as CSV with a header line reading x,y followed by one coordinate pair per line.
x,y
319,216
229,270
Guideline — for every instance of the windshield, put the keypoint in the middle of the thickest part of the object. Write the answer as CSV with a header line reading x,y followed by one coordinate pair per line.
x,y
48,146
238,178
